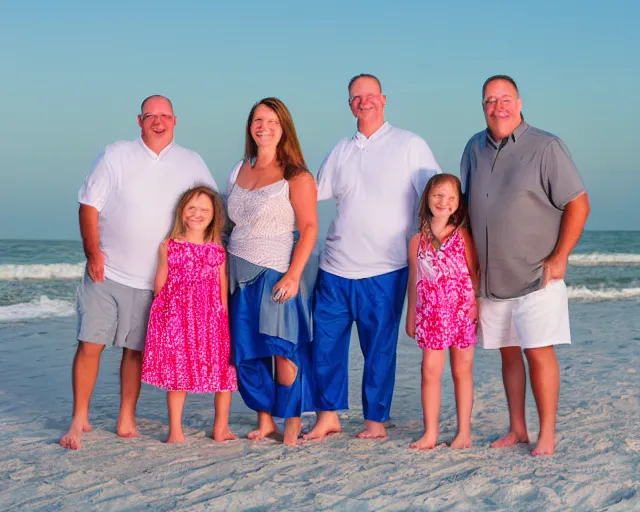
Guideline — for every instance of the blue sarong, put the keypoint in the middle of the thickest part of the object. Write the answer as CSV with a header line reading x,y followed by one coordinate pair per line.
x,y
262,328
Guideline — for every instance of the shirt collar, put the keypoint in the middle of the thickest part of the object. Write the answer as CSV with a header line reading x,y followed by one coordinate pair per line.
x,y
152,154
378,133
517,133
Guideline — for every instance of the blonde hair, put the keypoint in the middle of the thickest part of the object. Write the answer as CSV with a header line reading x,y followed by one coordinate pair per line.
x,y
213,232
288,152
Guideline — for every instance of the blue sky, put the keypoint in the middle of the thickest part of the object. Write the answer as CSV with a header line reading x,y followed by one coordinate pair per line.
x,y
74,73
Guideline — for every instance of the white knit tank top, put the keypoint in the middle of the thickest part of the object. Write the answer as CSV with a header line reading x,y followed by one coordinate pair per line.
x,y
264,223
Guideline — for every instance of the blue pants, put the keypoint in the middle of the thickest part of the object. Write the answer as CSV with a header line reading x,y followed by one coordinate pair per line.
x,y
375,304
253,351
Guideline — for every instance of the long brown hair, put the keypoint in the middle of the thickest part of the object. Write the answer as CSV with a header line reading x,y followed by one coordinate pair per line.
x,y
288,152
213,232
457,218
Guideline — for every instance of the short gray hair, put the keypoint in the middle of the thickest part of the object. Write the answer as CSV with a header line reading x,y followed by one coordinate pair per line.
x,y
152,97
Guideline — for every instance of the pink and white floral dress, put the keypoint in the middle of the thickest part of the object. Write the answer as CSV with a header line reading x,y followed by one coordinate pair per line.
x,y
445,297
188,346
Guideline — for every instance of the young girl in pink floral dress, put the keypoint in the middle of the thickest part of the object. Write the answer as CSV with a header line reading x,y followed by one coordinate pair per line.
x,y
188,347
442,310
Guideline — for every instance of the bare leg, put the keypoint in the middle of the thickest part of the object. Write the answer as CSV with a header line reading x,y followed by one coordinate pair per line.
x,y
292,429
432,367
221,430
130,375
373,430
286,373
514,377
266,426
327,423
462,372
84,373
175,404
545,383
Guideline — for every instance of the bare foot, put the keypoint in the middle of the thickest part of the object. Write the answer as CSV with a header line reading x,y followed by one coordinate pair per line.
x,y
292,429
510,439
223,434
461,442
373,430
266,427
328,423
544,447
175,437
127,428
427,442
72,440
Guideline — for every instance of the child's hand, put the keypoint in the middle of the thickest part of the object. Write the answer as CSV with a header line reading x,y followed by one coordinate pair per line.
x,y
411,326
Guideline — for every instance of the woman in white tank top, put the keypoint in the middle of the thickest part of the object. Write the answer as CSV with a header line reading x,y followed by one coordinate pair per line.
x,y
270,193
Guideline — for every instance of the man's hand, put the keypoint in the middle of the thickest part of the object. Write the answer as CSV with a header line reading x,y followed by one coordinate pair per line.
x,y
95,266
554,268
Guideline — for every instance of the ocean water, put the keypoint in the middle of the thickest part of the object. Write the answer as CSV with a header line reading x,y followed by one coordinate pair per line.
x,y
38,279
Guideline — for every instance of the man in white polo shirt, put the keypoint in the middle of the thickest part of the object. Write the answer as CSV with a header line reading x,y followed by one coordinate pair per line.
x,y
126,209
376,177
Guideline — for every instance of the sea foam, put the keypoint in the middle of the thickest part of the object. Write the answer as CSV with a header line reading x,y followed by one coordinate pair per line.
x,y
43,307
602,294
41,272
599,259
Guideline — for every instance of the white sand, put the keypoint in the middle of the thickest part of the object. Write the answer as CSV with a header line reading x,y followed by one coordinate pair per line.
x,y
596,466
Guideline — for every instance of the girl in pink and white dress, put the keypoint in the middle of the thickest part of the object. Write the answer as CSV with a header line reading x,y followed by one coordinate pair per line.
x,y
188,349
441,311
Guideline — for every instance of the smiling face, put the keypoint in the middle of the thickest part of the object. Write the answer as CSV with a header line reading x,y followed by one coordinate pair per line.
x,y
265,127
443,200
502,106
197,214
367,101
157,123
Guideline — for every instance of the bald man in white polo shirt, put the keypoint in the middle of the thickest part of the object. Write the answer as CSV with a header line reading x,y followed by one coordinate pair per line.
x,y
376,177
126,209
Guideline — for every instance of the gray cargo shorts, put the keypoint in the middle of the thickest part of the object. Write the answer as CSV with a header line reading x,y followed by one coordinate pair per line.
x,y
110,313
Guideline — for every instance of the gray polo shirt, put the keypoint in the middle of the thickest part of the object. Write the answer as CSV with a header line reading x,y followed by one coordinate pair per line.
x,y
517,190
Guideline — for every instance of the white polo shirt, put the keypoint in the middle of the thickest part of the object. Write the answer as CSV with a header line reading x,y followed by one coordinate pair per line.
x,y
377,183
136,192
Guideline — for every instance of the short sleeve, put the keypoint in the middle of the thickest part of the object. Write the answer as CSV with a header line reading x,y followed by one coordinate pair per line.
x,y
325,176
465,169
233,176
97,185
422,164
204,175
560,177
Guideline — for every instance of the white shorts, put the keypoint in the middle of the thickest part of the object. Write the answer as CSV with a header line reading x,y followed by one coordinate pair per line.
x,y
538,319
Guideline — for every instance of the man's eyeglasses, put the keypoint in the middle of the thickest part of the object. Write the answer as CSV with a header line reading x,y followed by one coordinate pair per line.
x,y
492,102
354,100
155,117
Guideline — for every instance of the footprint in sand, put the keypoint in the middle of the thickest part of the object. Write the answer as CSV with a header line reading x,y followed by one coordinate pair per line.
x,y
634,444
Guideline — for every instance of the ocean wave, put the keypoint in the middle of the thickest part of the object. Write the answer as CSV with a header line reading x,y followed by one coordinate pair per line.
x,y
603,259
42,272
43,307
602,294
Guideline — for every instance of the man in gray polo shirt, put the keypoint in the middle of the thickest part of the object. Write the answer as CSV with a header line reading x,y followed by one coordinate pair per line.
x,y
528,207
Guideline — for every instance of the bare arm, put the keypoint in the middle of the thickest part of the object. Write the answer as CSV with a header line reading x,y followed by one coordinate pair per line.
x,y
163,269
411,288
303,194
472,259
88,217
572,224
224,287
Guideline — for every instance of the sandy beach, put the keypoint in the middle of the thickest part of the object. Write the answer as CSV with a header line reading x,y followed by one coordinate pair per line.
x,y
596,465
